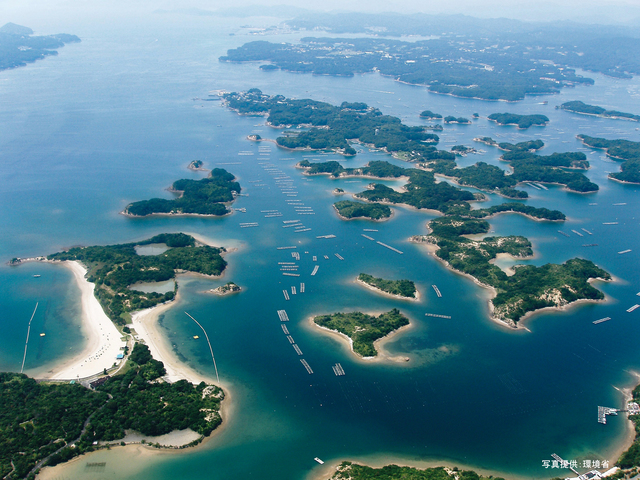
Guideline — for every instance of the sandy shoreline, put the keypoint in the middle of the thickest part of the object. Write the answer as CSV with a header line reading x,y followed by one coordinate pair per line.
x,y
104,341
379,344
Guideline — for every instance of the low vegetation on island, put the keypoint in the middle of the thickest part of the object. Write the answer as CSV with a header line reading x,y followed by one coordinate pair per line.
x,y
349,209
363,329
201,197
115,269
355,471
626,150
530,288
400,288
19,46
50,423
226,289
522,121
586,109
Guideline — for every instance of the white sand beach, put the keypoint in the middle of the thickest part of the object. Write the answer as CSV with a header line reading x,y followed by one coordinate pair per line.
x,y
104,342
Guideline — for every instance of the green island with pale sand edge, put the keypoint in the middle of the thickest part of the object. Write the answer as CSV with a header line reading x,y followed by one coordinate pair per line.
x,y
364,330
403,289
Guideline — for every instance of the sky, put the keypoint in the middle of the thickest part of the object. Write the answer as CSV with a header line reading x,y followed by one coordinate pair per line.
x,y
586,11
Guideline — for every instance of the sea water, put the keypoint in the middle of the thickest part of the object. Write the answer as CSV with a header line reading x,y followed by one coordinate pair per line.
x,y
118,117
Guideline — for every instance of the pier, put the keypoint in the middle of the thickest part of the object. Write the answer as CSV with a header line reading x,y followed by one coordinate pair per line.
x,y
282,314
437,290
605,319
306,365
604,411
315,270
338,370
389,247
438,316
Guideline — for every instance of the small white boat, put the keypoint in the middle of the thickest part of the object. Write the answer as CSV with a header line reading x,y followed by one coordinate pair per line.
x,y
319,461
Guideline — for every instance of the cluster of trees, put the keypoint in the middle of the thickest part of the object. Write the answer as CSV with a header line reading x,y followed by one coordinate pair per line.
x,y
204,197
577,106
19,46
447,65
429,115
631,457
529,288
375,168
350,209
332,127
363,329
404,288
354,471
483,176
115,268
522,121
452,119
626,150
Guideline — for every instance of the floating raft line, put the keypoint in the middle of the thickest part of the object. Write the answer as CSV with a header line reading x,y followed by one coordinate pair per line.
x,y
303,230
292,225
315,259
624,251
326,257
297,349
605,319
339,257
326,236
285,248
437,290
26,344
291,274
295,255
585,230
589,244
302,287
577,233
388,246
283,314
437,315
338,370
610,223
284,329
291,340
290,221
306,365
293,290
623,203
315,270
369,230
286,263
633,308
367,236
286,294
271,215
268,211
562,233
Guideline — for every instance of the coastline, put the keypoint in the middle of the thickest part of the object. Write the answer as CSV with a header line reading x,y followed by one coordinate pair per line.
x,y
387,294
379,344
104,341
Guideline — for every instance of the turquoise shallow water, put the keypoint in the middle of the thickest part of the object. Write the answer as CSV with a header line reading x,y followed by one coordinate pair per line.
x,y
113,119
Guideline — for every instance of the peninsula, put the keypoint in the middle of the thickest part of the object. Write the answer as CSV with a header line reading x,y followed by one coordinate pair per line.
x,y
196,197
362,329
354,471
45,424
586,109
405,289
626,150
116,269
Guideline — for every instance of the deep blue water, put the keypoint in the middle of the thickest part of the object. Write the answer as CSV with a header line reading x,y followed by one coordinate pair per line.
x,y
113,120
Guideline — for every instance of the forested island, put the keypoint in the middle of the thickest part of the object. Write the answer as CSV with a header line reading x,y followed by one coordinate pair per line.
x,y
375,168
363,329
49,423
18,45
115,269
348,210
586,109
196,197
625,150
355,471
460,120
529,288
429,115
398,288
522,121
478,67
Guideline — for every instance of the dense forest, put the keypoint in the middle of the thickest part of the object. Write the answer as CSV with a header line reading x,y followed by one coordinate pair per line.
x,y
586,109
354,471
18,45
203,197
54,422
403,288
349,209
115,269
363,329
522,121
376,168
530,287
625,150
